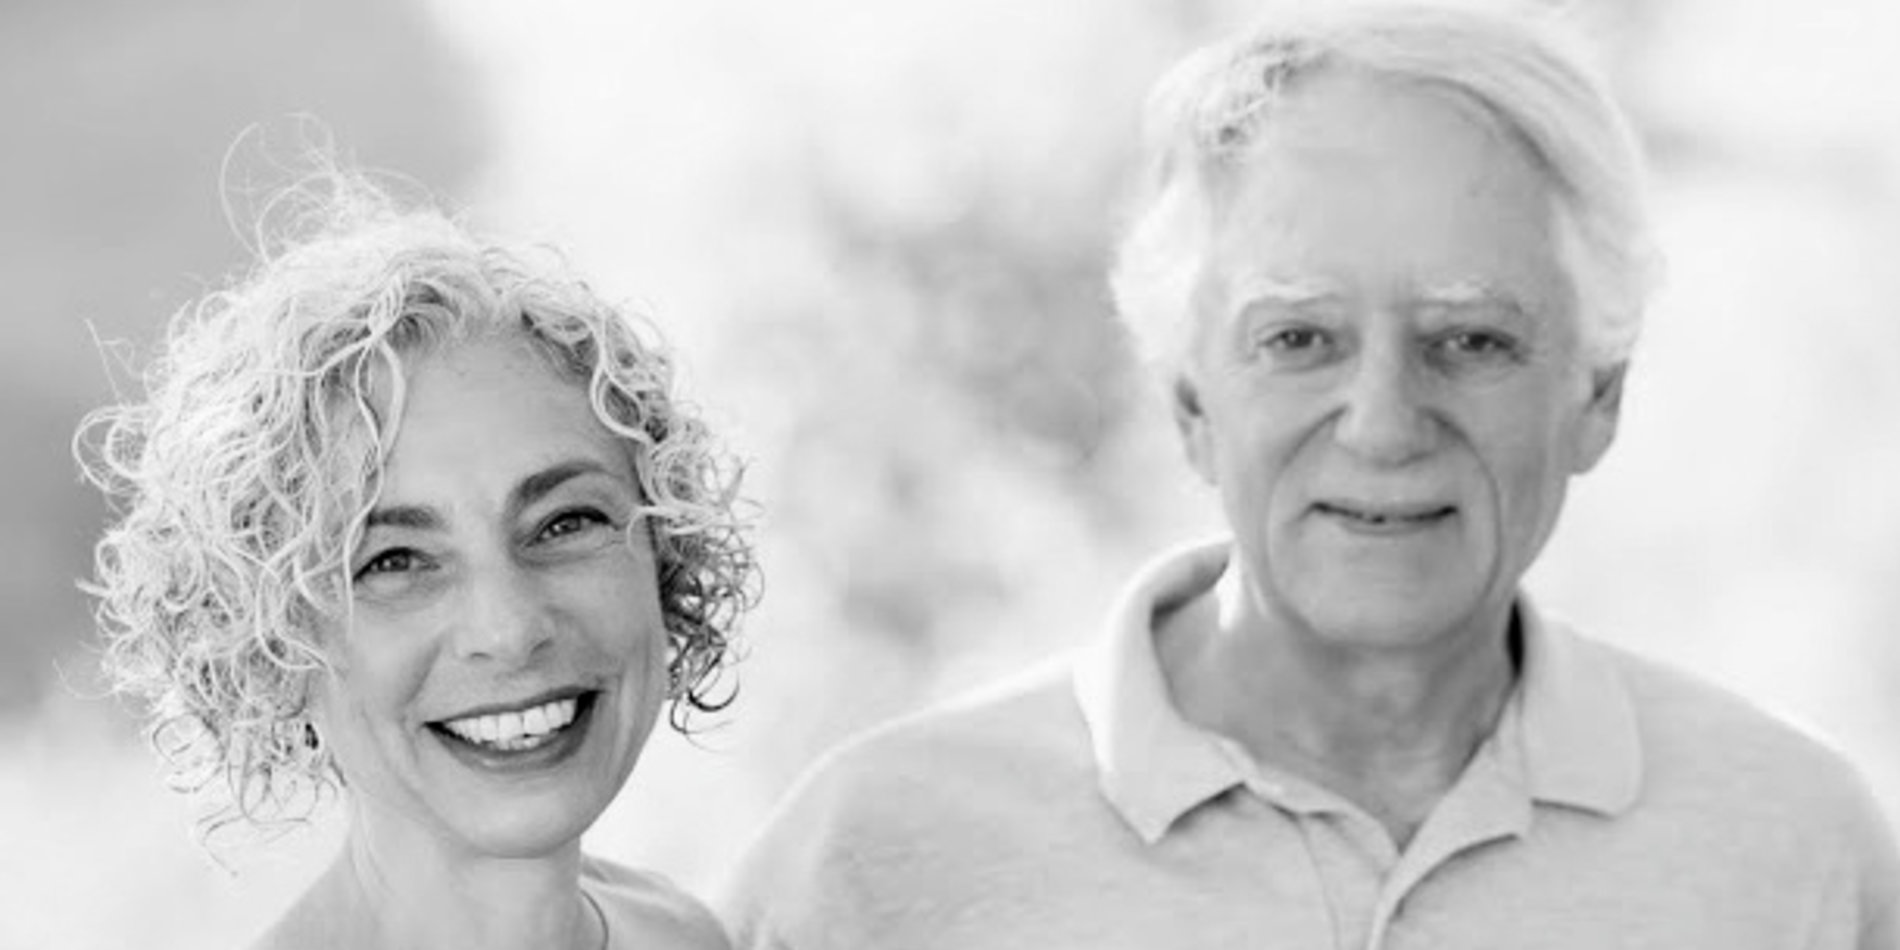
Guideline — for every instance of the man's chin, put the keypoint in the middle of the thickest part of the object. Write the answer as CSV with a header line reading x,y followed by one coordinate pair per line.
x,y
1388,620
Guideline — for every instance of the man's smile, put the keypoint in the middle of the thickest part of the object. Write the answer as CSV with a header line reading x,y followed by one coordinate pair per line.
x,y
1384,518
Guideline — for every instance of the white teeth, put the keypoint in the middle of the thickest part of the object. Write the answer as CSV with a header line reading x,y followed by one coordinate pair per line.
x,y
518,729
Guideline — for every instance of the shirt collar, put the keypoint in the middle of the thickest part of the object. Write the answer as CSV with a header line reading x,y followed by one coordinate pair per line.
x,y
1571,717
1153,765
1574,720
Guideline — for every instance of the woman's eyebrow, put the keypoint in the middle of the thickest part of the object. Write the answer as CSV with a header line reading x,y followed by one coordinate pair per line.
x,y
538,485
414,517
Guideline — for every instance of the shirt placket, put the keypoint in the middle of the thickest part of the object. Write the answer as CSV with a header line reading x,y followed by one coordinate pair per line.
x,y
1344,862
1489,804
1364,879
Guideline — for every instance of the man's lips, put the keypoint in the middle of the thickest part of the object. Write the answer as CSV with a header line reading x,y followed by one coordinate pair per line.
x,y
1385,515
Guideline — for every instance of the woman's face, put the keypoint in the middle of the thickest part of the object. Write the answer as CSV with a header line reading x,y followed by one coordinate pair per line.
x,y
505,658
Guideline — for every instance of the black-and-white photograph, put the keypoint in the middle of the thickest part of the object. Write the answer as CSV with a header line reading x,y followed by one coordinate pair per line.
x,y
1372,474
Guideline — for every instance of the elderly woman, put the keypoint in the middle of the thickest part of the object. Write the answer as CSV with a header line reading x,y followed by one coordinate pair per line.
x,y
421,521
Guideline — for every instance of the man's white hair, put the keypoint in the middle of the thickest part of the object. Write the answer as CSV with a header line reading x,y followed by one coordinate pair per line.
x,y
1523,66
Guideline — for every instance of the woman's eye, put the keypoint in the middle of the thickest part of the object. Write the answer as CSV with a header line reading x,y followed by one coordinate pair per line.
x,y
394,561
569,523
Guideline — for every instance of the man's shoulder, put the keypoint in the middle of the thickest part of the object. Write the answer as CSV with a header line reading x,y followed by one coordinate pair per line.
x,y
1682,707
1722,770
883,829
1698,733
1019,729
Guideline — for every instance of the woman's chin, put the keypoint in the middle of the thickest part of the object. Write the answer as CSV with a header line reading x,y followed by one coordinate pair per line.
x,y
537,824
524,800
531,833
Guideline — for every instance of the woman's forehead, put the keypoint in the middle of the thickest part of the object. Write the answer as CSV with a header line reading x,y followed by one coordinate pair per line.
x,y
463,401
478,416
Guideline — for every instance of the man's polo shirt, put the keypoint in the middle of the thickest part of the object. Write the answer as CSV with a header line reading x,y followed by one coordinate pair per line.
x,y
1617,804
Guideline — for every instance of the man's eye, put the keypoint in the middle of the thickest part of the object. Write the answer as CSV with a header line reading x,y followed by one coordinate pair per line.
x,y
1296,346
1294,339
1478,344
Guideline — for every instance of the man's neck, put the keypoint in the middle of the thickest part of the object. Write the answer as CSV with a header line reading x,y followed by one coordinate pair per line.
x,y
1390,730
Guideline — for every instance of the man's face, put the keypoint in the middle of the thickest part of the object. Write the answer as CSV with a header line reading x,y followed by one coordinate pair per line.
x,y
1386,385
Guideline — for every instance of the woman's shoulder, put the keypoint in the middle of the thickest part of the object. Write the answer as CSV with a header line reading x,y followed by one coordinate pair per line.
x,y
308,923
646,909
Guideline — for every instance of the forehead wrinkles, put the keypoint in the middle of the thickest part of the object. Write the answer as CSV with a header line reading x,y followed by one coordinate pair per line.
x,y
1377,169
1349,120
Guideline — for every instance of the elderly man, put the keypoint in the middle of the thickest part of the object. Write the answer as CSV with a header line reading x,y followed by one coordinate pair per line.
x,y
1391,269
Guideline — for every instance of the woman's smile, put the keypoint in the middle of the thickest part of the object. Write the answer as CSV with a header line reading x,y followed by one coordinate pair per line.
x,y
541,734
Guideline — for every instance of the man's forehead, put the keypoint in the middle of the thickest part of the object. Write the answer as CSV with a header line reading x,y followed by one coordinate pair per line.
x,y
1338,113
1438,215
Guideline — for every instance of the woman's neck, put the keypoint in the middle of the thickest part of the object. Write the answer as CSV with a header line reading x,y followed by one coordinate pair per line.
x,y
395,884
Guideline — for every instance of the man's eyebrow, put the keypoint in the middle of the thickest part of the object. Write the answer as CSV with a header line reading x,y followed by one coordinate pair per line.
x,y
1252,290
1468,293
537,486
414,517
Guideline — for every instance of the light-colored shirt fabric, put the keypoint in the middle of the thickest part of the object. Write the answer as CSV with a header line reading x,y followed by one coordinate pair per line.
x,y
1618,804
644,910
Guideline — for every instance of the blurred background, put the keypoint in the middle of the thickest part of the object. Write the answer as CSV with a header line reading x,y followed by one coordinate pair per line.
x,y
878,234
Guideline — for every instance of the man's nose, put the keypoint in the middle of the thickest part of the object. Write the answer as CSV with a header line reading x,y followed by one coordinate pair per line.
x,y
507,618
1384,417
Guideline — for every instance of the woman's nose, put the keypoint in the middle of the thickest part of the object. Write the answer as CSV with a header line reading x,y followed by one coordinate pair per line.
x,y
1383,417
507,617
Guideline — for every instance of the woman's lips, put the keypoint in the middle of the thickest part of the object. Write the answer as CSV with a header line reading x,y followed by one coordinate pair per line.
x,y
516,728
519,740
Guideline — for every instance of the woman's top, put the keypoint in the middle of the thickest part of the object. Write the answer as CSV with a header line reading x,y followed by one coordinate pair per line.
x,y
645,910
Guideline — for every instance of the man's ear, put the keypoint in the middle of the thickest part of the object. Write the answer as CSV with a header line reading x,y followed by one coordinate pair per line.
x,y
1190,418
1597,428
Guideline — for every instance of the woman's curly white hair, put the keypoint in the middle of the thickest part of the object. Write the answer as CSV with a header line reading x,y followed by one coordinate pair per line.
x,y
242,480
